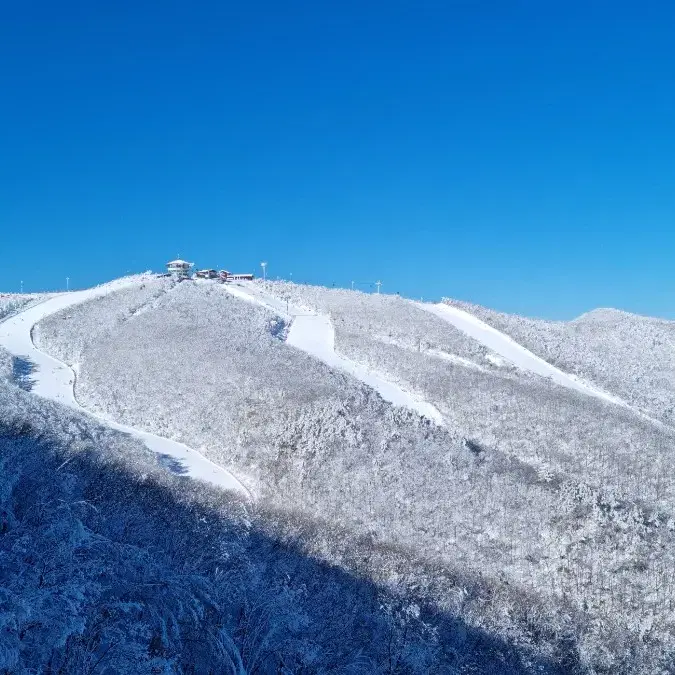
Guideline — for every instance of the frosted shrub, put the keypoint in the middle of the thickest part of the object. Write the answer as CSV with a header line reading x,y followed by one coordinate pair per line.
x,y
6,364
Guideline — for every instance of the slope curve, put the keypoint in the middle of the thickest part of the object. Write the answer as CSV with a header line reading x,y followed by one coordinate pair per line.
x,y
507,347
54,380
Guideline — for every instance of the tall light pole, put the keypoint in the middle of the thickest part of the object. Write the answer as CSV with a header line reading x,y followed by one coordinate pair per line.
x,y
378,284
21,285
67,283
264,269
352,285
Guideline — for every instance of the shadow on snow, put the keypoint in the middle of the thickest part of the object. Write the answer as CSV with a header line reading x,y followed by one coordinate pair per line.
x,y
22,371
184,564
172,464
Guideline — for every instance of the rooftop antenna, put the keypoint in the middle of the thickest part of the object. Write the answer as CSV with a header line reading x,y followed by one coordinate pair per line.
x,y
378,284
352,285
67,283
264,269
21,284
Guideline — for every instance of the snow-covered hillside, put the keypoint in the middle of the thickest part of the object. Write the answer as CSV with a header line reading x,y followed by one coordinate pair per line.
x,y
314,334
630,356
104,312
511,351
562,494
528,477
553,426
50,378
108,561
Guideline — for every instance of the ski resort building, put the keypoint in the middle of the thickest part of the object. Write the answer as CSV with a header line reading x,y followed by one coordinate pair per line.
x,y
179,269
206,274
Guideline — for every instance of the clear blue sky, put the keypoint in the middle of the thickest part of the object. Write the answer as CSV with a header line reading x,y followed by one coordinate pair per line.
x,y
516,154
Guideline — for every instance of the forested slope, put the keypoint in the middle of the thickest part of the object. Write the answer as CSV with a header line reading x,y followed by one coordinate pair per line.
x,y
96,318
494,404
527,482
110,564
631,356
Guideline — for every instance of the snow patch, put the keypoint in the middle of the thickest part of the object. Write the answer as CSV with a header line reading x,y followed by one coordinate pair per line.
x,y
496,360
453,358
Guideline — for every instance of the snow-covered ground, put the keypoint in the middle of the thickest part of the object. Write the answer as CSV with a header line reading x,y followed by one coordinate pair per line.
x,y
315,335
54,380
508,487
508,348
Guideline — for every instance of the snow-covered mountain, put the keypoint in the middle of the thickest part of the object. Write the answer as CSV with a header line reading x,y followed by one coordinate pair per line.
x,y
631,356
510,510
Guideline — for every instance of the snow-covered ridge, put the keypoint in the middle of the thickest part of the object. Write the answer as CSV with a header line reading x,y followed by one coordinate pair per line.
x,y
54,380
314,334
508,348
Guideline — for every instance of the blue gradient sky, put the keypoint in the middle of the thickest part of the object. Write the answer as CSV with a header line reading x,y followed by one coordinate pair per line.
x,y
519,155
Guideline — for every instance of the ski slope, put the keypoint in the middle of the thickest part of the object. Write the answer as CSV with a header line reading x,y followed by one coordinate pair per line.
x,y
314,334
509,349
55,381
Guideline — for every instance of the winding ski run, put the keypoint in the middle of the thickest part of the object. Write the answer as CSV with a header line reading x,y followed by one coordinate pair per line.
x,y
314,334
54,380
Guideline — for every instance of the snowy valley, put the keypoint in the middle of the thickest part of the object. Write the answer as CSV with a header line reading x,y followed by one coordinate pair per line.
x,y
267,477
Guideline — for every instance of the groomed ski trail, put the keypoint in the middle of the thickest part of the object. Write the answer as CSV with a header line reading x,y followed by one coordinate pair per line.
x,y
54,380
508,348
315,335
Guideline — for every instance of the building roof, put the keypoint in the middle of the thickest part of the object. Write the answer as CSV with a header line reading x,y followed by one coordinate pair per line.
x,y
179,263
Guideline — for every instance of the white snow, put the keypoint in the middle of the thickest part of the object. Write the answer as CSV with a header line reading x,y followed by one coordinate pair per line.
x,y
436,353
495,360
54,380
509,349
248,293
315,335
453,358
